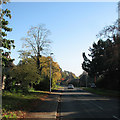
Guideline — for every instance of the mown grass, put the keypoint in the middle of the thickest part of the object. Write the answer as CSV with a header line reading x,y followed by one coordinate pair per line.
x,y
57,87
15,105
109,93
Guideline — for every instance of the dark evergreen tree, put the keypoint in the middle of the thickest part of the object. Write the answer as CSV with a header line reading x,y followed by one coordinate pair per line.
x,y
5,43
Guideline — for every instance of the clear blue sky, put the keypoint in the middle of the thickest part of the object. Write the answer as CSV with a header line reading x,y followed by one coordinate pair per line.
x,y
73,26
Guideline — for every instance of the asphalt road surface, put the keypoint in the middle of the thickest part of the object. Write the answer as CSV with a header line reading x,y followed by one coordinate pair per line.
x,y
76,104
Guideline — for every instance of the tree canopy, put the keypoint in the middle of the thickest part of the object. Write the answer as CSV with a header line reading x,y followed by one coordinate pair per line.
x,y
37,44
105,54
25,74
6,43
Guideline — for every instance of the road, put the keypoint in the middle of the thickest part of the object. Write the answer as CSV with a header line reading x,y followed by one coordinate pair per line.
x,y
76,104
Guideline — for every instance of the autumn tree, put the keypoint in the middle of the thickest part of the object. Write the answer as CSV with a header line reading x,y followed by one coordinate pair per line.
x,y
55,71
45,73
37,44
67,77
56,74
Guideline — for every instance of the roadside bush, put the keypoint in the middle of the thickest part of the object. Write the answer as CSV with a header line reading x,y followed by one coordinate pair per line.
x,y
22,76
100,83
43,85
109,81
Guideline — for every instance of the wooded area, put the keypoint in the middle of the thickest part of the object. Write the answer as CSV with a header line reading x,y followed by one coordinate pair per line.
x,y
27,85
104,64
33,70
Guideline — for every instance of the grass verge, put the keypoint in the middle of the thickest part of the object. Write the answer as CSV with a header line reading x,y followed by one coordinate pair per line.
x,y
15,105
57,87
109,93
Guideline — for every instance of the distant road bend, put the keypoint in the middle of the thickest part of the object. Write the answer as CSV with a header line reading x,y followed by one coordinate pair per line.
x,y
76,104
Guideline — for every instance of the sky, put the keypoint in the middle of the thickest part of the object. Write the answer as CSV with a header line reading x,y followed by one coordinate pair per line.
x,y
73,26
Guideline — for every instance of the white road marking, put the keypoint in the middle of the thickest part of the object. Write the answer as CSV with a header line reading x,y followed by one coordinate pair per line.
x,y
97,105
116,117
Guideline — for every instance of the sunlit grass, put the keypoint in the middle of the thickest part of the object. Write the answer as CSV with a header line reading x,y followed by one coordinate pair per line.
x,y
57,87
15,105
110,93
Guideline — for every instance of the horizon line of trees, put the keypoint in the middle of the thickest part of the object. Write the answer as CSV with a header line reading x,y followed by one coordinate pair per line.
x,y
33,68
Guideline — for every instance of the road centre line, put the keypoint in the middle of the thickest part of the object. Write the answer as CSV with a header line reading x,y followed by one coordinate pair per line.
x,y
116,117
97,106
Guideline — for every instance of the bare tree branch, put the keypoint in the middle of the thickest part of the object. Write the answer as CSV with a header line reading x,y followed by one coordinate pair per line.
x,y
37,41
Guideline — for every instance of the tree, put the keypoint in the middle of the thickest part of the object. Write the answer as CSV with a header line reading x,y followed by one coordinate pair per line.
x,y
97,54
84,80
105,54
112,45
56,74
55,71
67,78
24,75
37,43
6,43
109,32
86,64
45,73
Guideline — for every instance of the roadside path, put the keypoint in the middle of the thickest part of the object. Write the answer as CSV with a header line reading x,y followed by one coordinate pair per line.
x,y
45,108
74,104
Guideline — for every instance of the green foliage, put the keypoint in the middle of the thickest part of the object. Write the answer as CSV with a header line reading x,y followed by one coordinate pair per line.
x,y
67,78
110,81
16,104
10,115
6,43
85,80
24,75
43,85
96,66
103,92
37,44
105,58
45,74
56,74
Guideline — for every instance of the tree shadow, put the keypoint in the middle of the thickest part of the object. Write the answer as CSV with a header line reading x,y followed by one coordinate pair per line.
x,y
39,103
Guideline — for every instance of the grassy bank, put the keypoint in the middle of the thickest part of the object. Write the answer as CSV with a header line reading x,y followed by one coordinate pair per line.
x,y
15,105
109,93
57,87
